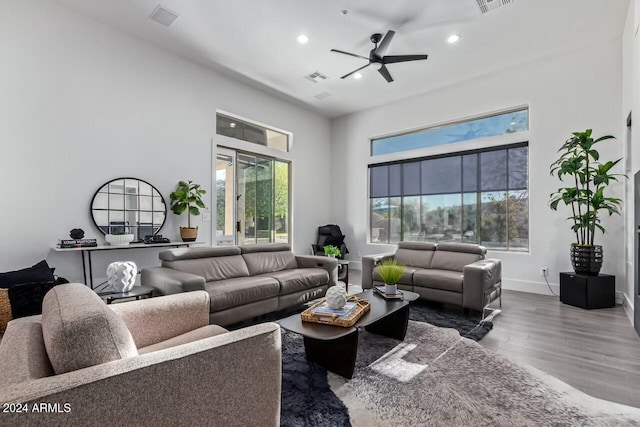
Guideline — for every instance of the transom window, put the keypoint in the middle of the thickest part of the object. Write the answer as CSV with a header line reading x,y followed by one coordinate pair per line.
x,y
478,196
497,124
251,132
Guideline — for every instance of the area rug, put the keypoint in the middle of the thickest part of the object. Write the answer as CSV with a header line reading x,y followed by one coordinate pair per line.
x,y
468,325
436,378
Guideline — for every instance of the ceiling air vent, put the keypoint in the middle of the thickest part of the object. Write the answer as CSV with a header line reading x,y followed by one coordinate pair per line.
x,y
489,5
163,16
316,77
322,96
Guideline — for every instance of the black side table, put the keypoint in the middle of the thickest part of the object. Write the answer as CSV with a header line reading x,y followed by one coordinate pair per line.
x,y
137,292
343,273
589,292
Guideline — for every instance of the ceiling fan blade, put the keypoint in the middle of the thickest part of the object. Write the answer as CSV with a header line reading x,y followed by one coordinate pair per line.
x,y
384,44
354,71
349,53
392,59
385,73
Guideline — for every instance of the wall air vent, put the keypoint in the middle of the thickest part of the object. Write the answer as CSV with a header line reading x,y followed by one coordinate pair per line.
x,y
316,77
489,5
163,16
322,96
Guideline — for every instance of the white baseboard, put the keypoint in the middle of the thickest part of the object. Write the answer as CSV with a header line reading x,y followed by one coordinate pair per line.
x,y
531,287
355,265
626,304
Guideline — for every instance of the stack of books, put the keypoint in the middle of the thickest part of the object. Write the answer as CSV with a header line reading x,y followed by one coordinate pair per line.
x,y
380,290
77,243
344,312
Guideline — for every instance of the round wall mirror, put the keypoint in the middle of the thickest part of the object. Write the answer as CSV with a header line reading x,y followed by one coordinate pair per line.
x,y
128,205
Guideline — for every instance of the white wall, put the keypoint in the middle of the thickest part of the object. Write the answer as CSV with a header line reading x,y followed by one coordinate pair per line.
x,y
631,102
565,93
82,103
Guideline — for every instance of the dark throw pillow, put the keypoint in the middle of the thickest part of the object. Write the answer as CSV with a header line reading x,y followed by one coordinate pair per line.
x,y
39,273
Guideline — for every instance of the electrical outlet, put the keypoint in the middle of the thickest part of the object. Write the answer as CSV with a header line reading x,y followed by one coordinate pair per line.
x,y
544,271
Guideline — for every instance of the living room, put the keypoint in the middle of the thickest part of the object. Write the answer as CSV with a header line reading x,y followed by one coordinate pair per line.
x,y
94,92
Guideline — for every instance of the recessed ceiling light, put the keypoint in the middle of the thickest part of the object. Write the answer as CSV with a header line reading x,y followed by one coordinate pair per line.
x,y
232,125
357,76
303,39
454,38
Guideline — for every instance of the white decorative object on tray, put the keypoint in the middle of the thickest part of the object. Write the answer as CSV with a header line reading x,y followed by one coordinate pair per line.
x,y
118,239
121,275
390,289
336,297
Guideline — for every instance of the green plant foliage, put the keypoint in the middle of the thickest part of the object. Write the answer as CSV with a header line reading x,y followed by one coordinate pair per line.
x,y
331,250
580,163
390,271
187,197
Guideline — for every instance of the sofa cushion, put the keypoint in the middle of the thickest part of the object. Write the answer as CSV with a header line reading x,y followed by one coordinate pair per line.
x,y
299,279
80,330
415,254
406,279
180,254
191,336
445,280
454,261
262,259
241,290
213,268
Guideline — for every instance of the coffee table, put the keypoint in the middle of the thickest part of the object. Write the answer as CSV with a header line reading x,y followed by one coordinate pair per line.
x,y
335,347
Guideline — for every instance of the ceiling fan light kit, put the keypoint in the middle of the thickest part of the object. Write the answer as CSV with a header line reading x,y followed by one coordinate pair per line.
x,y
378,58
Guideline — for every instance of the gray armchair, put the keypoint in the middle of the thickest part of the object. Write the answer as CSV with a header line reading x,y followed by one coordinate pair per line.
x,y
452,273
150,362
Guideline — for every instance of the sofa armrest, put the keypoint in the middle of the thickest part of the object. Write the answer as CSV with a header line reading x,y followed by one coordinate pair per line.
x,y
167,281
202,382
369,262
158,319
312,261
481,283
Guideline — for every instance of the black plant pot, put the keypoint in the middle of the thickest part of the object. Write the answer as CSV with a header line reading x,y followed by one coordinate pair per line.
x,y
586,259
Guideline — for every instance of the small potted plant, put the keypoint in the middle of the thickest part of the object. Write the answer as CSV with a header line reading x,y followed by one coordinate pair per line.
x,y
588,178
119,238
390,271
187,197
332,251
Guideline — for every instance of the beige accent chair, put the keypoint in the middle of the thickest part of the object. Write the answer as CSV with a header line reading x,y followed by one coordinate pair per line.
x,y
243,281
145,363
452,273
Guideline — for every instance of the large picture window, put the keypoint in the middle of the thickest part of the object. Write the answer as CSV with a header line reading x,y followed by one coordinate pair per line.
x,y
477,196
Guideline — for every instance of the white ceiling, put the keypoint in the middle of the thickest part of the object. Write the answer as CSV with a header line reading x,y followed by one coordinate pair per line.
x,y
255,40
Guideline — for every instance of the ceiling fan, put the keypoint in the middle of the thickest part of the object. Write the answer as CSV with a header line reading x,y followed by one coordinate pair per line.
x,y
377,58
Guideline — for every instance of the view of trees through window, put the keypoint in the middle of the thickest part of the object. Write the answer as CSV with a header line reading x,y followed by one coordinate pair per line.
x,y
474,197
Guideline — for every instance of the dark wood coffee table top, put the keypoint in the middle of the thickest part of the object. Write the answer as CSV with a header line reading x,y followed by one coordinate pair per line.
x,y
380,308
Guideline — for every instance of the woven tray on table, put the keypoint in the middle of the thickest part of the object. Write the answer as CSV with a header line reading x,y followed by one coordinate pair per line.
x,y
333,319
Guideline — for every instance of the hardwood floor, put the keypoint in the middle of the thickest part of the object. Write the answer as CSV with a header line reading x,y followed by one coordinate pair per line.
x,y
595,351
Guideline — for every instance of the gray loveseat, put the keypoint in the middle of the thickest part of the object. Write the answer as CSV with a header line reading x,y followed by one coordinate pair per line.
x,y
243,281
452,273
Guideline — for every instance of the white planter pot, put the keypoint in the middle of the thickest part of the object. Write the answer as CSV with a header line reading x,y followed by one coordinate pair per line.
x,y
119,239
121,275
390,289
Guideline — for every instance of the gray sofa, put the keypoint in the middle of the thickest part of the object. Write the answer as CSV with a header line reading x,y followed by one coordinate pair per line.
x,y
145,363
452,273
243,281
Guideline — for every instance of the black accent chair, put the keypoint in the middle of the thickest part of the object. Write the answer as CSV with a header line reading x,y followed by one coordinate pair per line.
x,y
330,234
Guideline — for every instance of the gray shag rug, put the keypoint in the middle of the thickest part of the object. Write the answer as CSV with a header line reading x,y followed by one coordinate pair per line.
x,y
468,325
437,378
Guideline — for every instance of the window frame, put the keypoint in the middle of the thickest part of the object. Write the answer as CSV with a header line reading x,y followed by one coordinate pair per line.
x,y
478,191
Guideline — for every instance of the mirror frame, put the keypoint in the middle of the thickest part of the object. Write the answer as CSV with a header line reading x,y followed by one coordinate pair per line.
x,y
154,190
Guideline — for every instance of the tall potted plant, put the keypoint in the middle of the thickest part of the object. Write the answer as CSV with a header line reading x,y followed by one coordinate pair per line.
x,y
580,164
187,197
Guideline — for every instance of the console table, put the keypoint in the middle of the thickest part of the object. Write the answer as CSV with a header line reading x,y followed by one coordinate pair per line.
x,y
86,252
